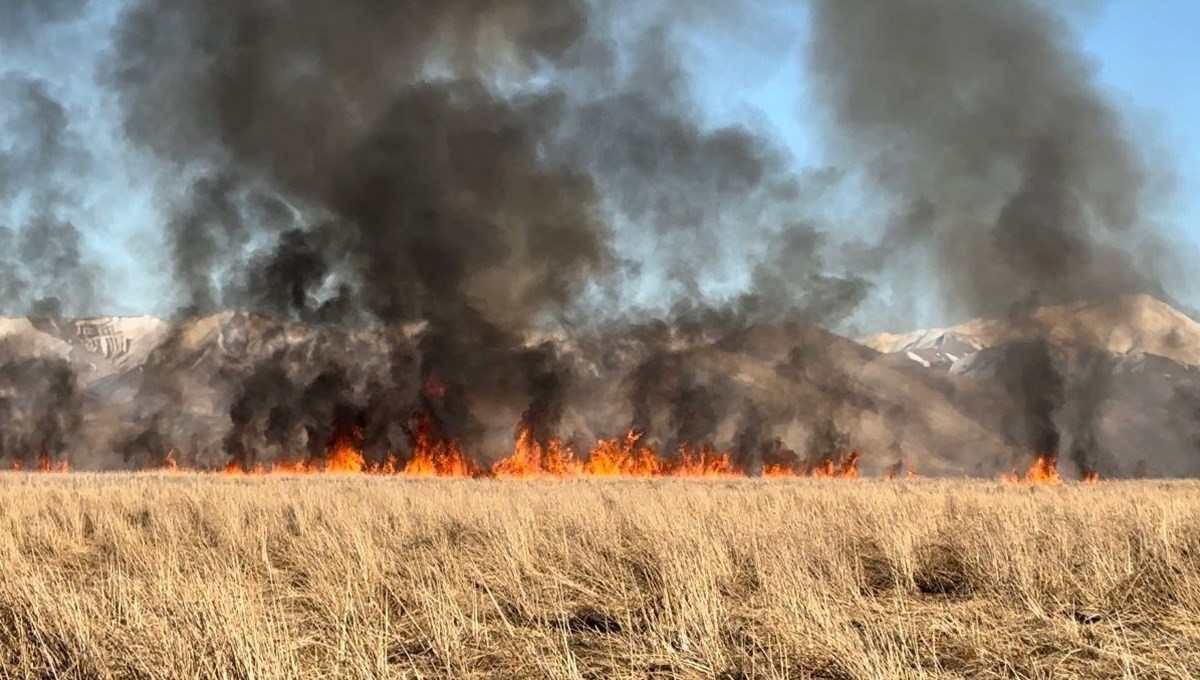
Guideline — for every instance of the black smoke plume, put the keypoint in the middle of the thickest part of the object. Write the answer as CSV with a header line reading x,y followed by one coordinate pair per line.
x,y
369,165
475,185
41,407
1011,177
42,263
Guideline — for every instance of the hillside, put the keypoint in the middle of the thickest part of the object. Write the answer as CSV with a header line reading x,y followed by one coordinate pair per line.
x,y
934,399
1125,324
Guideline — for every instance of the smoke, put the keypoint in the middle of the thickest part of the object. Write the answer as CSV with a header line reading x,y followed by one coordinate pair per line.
x,y
1031,376
41,407
501,176
21,20
42,267
1010,176
463,164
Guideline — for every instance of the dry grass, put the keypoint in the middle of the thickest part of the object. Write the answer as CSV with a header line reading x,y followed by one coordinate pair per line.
x,y
203,577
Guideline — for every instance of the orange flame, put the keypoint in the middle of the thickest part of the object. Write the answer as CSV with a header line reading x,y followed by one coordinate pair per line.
x,y
1044,470
436,458
895,471
531,460
345,453
623,457
829,469
778,471
704,462
628,456
46,463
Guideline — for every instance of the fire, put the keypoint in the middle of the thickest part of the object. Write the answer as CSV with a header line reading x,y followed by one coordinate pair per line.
x,y
623,457
388,467
629,456
530,459
778,471
1090,477
704,462
432,458
829,468
46,463
1044,470
345,453
238,468
897,470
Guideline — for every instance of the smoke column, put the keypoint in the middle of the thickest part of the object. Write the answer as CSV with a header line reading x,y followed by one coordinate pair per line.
x,y
454,182
1010,177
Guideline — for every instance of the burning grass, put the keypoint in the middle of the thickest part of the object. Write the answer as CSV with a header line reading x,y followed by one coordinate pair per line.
x,y
210,576
629,456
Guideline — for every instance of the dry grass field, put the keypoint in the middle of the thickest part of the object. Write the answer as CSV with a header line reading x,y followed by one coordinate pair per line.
x,y
191,576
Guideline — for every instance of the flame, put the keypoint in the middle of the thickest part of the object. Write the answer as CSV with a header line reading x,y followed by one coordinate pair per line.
x,y
530,459
387,467
829,469
630,456
895,471
238,468
436,458
1090,477
623,457
778,471
287,467
345,453
46,463
705,462
1044,470
627,456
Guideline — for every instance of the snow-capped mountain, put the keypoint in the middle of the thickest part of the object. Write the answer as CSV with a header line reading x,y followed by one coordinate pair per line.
x,y
935,398
1132,324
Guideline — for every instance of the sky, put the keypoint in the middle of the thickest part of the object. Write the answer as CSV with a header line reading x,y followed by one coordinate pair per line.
x,y
1144,51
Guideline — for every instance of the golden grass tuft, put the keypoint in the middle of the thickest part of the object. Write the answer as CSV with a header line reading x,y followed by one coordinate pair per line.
x,y
189,576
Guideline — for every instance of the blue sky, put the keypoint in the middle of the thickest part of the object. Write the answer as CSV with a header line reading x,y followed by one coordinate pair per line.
x,y
1145,51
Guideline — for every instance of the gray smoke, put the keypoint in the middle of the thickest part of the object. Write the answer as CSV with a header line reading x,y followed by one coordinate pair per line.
x,y
462,164
1010,176
42,266
478,167
22,20
41,408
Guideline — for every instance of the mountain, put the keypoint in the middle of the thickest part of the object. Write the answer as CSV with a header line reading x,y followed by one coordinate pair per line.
x,y
1122,325
1128,388
1134,360
145,384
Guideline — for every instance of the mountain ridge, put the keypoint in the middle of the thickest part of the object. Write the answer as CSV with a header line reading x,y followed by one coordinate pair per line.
x,y
1121,325
931,398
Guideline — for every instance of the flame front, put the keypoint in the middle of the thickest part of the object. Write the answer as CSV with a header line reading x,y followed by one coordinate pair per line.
x,y
345,453
631,456
435,458
628,456
1044,470
530,459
